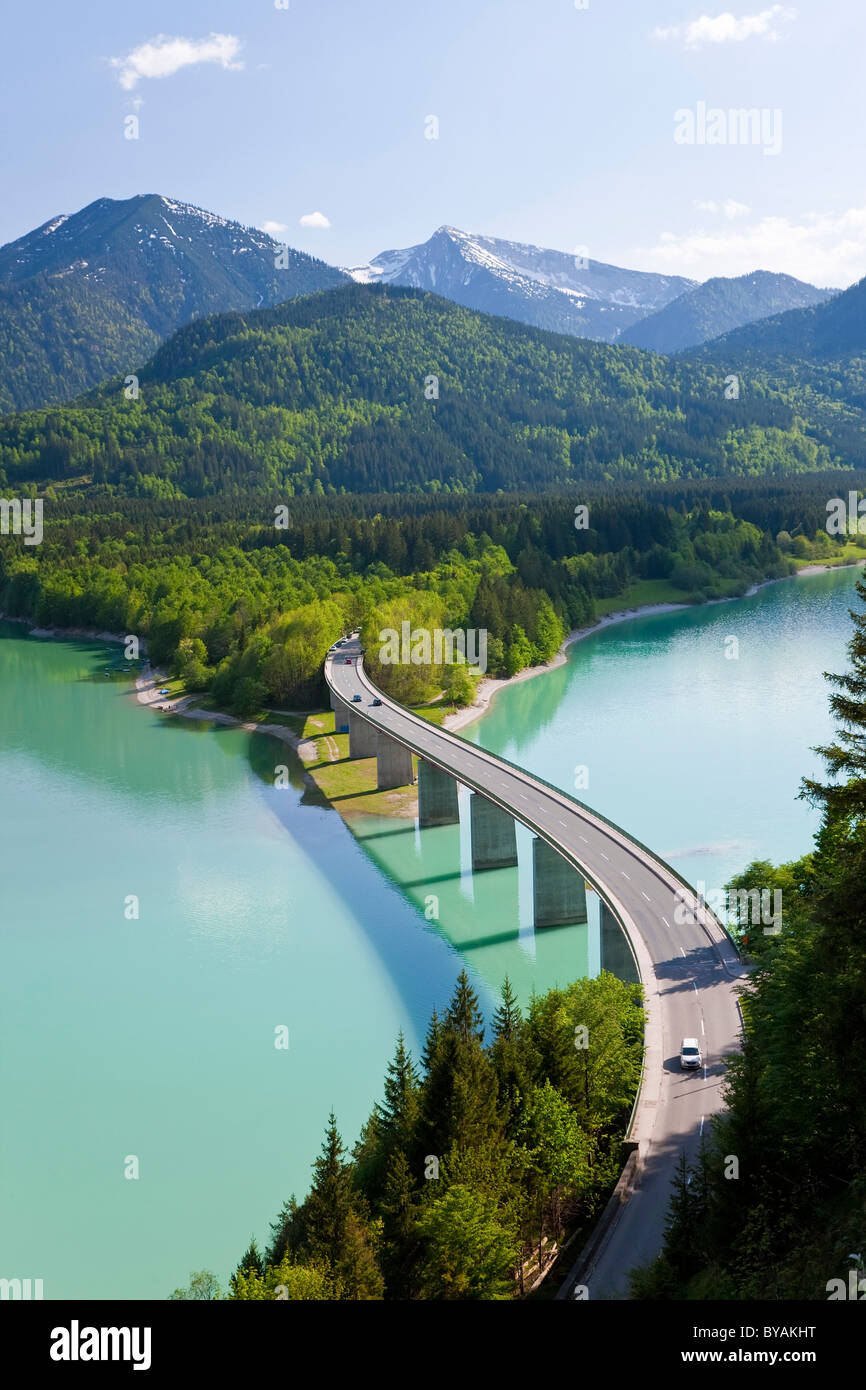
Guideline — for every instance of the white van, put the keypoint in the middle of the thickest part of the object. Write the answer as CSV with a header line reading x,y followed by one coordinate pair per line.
x,y
690,1054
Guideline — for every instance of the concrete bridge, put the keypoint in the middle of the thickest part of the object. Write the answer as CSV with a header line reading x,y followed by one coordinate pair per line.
x,y
688,970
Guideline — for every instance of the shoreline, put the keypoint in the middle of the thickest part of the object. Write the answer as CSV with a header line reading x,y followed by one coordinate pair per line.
x,y
488,689
150,679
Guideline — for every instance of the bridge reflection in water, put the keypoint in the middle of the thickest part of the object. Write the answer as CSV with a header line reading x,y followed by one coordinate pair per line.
x,y
560,895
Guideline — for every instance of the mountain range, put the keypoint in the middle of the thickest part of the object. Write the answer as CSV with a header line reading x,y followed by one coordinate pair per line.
x,y
87,296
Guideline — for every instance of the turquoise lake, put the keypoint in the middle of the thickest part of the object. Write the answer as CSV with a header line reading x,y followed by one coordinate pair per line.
x,y
154,1037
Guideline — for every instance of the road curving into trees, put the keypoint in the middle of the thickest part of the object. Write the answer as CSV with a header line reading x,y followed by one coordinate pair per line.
x,y
687,964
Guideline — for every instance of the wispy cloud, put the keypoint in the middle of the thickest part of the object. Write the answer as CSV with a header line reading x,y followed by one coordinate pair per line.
x,y
728,28
314,219
822,248
273,227
730,208
164,56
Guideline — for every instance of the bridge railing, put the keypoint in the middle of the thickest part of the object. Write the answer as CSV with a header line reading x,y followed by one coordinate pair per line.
x,y
560,791
599,815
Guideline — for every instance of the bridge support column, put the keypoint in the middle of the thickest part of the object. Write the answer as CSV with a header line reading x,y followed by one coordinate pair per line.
x,y
393,763
558,889
494,839
616,955
341,715
437,796
593,937
363,737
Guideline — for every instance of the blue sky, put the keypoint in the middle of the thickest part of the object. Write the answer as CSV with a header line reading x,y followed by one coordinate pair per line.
x,y
556,124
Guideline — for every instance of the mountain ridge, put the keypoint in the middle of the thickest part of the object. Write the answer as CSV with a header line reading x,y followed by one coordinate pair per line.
x,y
545,288
92,293
329,394
720,305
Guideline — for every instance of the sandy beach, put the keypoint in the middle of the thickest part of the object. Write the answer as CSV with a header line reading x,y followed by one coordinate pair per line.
x,y
490,686
149,683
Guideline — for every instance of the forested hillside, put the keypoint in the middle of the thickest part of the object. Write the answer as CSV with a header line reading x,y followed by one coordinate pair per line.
x,y
473,1162
370,389
235,604
86,296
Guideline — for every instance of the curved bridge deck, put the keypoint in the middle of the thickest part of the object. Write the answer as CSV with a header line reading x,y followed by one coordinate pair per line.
x,y
689,971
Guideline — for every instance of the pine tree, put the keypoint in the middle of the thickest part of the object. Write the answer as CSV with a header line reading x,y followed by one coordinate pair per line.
x,y
508,1020
459,1102
433,1041
846,756
252,1260
464,1013
399,1205
329,1204
399,1111
287,1232
513,1057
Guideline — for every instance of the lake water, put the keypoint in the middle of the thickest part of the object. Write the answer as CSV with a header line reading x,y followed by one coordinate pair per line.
x,y
152,1038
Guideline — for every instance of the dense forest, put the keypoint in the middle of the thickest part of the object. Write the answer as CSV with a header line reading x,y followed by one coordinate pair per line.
x,y
249,610
789,1217
474,1165
368,389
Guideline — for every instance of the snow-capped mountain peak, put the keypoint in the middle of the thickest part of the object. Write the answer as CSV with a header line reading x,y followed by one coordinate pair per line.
x,y
550,289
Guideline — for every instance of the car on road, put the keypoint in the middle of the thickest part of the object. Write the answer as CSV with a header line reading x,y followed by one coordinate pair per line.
x,y
356,699
690,1054
348,661
375,703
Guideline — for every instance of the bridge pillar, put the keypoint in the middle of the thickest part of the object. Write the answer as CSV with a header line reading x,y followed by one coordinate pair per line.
x,y
558,889
593,937
393,763
341,715
494,840
616,955
363,737
437,796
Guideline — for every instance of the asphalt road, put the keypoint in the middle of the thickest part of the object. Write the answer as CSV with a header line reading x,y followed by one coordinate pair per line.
x,y
689,968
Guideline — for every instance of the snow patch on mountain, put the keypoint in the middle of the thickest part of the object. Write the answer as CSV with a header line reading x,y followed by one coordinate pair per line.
x,y
551,289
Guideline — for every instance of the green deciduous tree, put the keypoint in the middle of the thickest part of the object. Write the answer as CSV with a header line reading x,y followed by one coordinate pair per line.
x,y
467,1253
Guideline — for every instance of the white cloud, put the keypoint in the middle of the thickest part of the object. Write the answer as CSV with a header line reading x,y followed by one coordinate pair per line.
x,y
822,248
164,56
273,227
727,28
314,219
729,207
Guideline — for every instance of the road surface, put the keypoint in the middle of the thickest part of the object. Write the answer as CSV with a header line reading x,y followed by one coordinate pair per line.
x,y
689,968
